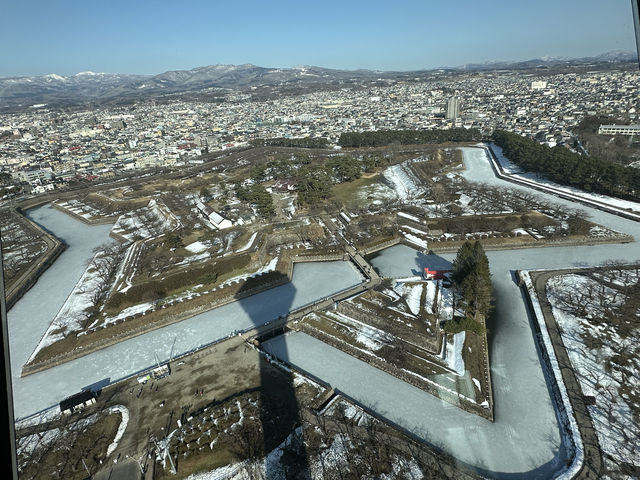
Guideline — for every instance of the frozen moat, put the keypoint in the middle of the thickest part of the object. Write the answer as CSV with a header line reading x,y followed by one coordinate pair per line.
x,y
524,441
30,317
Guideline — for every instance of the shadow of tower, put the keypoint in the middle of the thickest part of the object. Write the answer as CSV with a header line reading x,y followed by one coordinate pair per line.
x,y
280,414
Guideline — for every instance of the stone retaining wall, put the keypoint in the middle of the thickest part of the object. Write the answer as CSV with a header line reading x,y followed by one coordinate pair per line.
x,y
89,221
445,395
142,329
18,291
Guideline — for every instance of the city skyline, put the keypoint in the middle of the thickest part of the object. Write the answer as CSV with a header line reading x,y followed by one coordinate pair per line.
x,y
144,38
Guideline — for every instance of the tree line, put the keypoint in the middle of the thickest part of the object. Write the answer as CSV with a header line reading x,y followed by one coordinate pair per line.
x,y
314,177
381,138
565,167
304,142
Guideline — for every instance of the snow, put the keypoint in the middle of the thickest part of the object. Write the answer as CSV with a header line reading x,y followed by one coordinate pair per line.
x,y
299,379
411,294
247,246
267,467
197,247
454,353
29,444
617,434
147,222
269,267
513,170
133,252
335,457
410,217
54,76
403,468
414,230
476,382
415,240
430,297
121,428
372,338
72,313
446,304
569,427
402,181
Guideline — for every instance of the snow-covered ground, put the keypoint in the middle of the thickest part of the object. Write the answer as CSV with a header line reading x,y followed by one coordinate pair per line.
x,y
332,460
405,185
454,353
604,354
197,247
412,294
146,222
370,337
415,240
249,243
80,209
124,412
73,313
410,217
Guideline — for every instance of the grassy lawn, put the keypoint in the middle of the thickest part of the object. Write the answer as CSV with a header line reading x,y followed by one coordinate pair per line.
x,y
345,192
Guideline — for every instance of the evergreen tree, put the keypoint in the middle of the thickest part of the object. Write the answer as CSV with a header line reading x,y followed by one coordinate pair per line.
x,y
471,275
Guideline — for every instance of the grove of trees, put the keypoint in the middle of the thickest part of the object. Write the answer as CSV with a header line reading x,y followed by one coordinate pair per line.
x,y
305,142
568,168
258,196
408,137
472,278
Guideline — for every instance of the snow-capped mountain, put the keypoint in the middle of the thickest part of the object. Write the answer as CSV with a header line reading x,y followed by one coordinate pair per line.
x,y
94,88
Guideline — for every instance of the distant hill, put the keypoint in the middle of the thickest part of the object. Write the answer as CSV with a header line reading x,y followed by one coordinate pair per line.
x,y
89,88
613,56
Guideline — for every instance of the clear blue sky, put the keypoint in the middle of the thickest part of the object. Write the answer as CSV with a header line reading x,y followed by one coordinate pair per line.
x,y
140,36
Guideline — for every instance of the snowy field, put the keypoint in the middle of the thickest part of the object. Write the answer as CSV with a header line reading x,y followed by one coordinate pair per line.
x,y
335,457
147,222
604,352
404,183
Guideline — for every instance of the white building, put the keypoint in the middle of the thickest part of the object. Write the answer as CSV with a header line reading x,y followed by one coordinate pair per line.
x,y
619,130
217,220
453,108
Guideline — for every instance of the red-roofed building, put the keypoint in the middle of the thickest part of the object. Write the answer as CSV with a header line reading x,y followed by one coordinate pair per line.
x,y
435,274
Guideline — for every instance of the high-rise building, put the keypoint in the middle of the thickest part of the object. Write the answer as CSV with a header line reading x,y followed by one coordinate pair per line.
x,y
453,105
